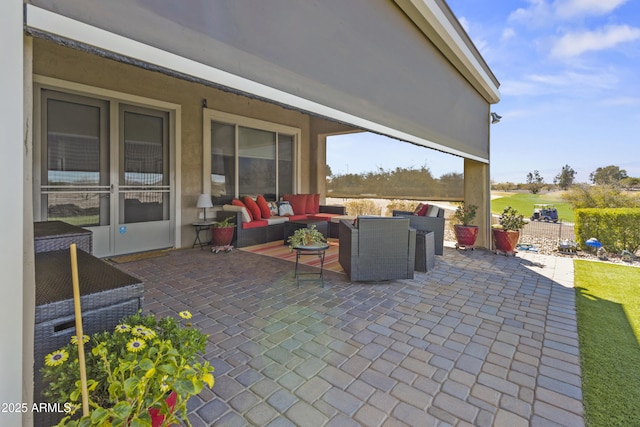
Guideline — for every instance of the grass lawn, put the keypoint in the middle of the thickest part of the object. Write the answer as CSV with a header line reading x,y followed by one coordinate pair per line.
x,y
608,309
524,202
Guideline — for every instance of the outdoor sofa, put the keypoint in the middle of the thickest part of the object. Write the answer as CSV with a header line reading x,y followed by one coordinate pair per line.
x,y
377,248
258,221
430,218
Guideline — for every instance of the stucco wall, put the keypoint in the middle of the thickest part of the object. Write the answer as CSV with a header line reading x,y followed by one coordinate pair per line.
x,y
68,64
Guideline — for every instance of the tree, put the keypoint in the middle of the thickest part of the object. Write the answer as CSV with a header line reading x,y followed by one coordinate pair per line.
x,y
535,182
608,175
565,178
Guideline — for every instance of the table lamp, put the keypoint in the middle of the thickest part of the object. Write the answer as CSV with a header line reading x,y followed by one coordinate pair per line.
x,y
204,202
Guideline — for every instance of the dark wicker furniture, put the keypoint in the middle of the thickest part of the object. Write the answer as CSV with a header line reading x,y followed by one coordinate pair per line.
x,y
267,233
427,223
381,248
55,235
107,295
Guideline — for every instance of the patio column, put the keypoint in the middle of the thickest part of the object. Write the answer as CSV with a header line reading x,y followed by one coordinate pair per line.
x,y
477,191
14,360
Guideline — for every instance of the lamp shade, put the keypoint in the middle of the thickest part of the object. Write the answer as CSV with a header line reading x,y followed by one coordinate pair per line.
x,y
204,201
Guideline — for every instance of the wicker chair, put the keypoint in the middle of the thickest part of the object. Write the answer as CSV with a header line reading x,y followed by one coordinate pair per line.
x,y
425,223
378,248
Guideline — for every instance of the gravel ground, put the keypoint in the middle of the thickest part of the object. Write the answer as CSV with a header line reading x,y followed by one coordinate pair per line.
x,y
543,236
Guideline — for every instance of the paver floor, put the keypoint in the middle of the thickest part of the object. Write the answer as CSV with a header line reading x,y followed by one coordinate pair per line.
x,y
482,340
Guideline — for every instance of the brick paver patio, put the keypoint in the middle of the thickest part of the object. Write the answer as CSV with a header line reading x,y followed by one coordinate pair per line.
x,y
481,340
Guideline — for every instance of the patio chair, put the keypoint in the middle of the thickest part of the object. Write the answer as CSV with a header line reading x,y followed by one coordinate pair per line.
x,y
426,223
377,248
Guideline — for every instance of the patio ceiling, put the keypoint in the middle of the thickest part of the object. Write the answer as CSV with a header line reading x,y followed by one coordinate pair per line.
x,y
408,72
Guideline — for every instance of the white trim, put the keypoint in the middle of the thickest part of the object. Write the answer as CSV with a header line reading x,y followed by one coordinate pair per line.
x,y
62,26
115,97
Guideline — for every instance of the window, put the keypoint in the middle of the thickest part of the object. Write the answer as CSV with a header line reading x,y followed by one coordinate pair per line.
x,y
248,157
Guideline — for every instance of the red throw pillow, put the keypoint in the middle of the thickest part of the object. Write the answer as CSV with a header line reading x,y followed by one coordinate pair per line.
x,y
252,207
418,208
265,212
238,202
298,202
424,209
316,202
310,206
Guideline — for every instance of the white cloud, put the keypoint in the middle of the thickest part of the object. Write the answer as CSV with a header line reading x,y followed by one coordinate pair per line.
x,y
541,13
570,8
574,44
569,83
507,34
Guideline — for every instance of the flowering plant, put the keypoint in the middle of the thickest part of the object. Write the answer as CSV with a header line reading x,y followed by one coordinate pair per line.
x,y
131,370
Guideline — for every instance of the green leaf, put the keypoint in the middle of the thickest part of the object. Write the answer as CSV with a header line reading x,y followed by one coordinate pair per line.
x,y
167,369
99,416
122,409
184,387
146,364
130,385
136,422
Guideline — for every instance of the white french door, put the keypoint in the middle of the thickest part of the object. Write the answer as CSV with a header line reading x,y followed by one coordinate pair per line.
x,y
106,166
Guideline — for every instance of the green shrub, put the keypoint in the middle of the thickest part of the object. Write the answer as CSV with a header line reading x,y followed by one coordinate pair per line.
x,y
616,228
600,196
361,207
401,205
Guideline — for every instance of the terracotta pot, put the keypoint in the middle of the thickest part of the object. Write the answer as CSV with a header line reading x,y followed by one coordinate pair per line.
x,y
222,236
505,241
466,235
156,417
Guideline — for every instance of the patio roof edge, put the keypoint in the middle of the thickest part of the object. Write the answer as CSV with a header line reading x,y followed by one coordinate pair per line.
x,y
41,20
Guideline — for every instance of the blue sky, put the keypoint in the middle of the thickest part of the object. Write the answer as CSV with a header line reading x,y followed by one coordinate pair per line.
x,y
570,91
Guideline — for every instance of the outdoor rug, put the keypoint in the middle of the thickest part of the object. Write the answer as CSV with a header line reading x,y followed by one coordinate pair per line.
x,y
277,249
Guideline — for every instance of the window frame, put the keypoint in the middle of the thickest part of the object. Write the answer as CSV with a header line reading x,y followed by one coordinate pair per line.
x,y
235,120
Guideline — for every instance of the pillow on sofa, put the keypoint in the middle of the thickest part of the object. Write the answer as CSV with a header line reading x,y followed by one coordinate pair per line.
x,y
235,208
433,211
285,209
420,209
313,203
252,207
264,207
298,202
238,202
273,208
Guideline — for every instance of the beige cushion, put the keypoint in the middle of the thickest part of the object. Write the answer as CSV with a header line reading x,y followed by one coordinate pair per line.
x,y
433,211
232,208
277,219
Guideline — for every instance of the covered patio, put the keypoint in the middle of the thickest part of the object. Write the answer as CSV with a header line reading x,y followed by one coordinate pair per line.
x,y
480,340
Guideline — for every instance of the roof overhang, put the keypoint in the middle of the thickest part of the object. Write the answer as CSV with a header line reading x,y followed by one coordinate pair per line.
x,y
425,14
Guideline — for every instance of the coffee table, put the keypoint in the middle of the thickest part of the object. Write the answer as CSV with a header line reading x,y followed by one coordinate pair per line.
x,y
317,250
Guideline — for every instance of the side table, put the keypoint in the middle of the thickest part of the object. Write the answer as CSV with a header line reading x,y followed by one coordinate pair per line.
x,y
201,226
425,251
318,251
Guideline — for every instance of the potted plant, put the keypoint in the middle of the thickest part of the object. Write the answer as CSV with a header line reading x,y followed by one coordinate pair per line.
x,y
507,232
466,234
222,232
306,237
141,373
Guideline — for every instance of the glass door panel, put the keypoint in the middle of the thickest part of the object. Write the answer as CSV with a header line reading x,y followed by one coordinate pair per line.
x,y
75,160
285,164
257,162
144,180
144,192
223,162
